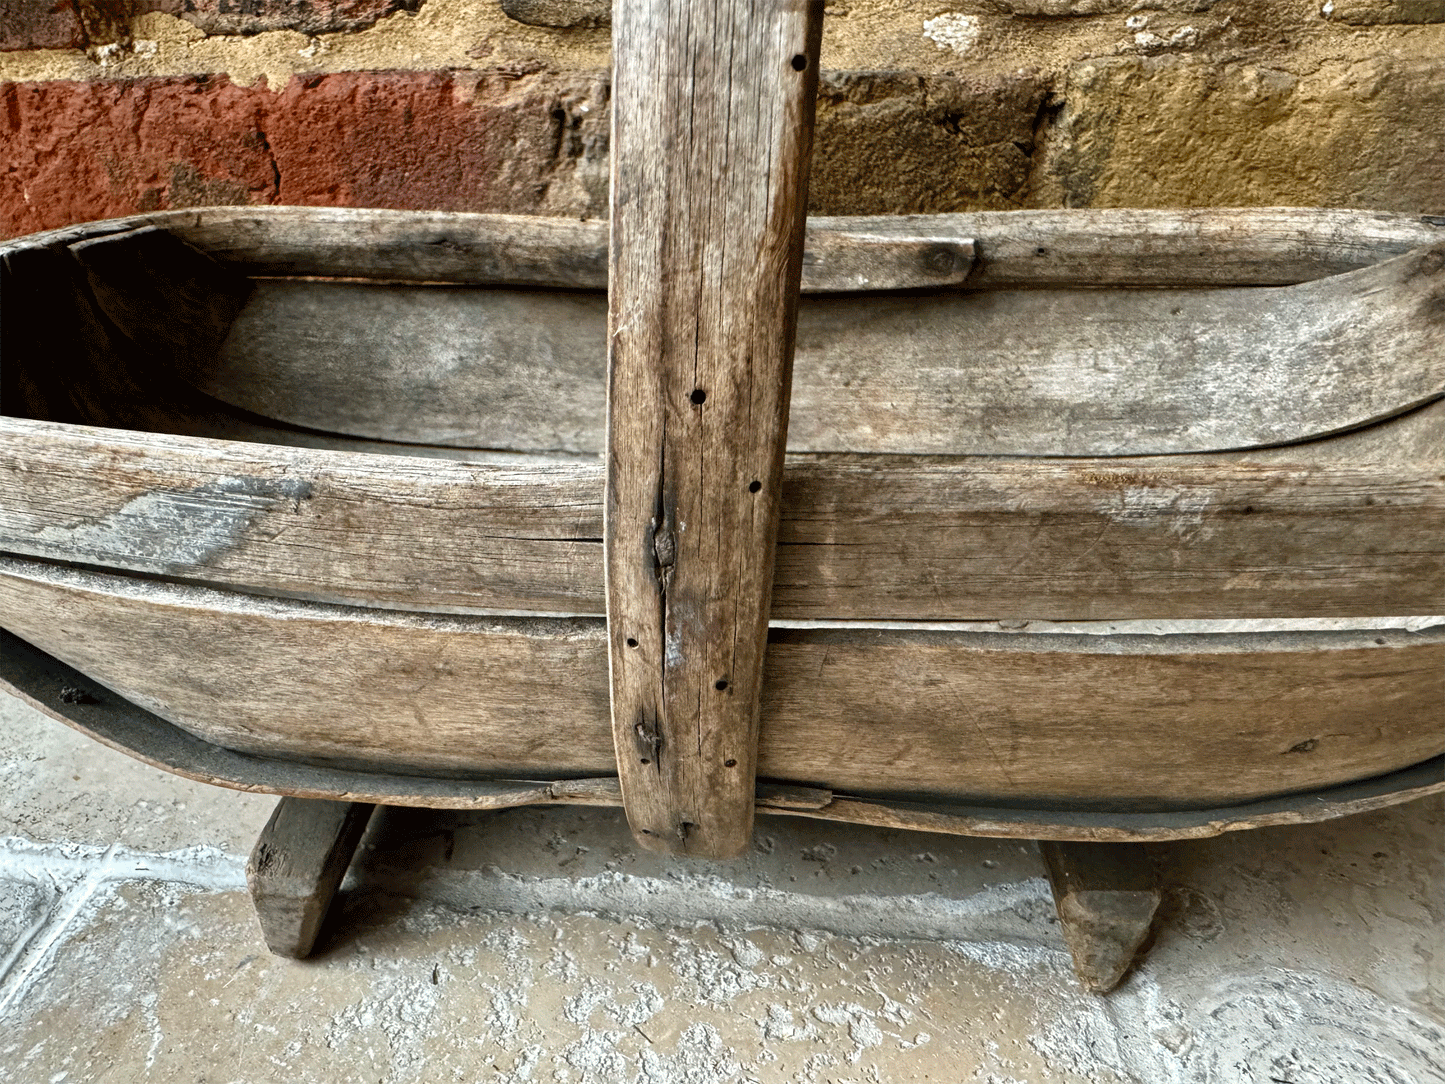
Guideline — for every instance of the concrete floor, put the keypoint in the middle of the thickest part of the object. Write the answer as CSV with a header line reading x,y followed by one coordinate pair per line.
x,y
537,946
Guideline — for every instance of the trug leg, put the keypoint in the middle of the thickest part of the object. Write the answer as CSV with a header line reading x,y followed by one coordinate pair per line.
x,y
297,866
1106,895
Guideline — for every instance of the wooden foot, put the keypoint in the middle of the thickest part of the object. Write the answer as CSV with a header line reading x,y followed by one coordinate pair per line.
x,y
297,866
1106,895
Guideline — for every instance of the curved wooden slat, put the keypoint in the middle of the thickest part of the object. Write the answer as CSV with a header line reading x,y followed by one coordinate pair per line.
x,y
529,250
1027,372
1063,371
1345,527
1128,722
69,696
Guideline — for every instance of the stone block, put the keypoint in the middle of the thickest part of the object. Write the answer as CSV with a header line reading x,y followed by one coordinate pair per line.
x,y
563,14
1057,8
1376,12
900,143
64,789
1172,131
24,907
259,16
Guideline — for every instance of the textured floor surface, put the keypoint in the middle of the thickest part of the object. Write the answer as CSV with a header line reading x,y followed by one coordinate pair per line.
x,y
537,946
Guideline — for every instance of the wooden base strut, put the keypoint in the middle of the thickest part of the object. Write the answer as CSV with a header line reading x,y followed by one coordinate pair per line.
x,y
297,866
1106,895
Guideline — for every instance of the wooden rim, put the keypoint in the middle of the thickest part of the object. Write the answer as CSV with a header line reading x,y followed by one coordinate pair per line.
x,y
1267,246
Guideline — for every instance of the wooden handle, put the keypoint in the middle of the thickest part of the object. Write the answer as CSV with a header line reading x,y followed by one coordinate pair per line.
x,y
712,119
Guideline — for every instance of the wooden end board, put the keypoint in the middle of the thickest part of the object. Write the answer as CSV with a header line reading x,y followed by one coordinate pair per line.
x,y
711,137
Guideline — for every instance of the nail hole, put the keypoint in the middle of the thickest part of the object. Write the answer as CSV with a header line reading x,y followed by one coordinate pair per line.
x,y
698,397
631,642
645,831
730,764
800,63
720,684
646,761
753,487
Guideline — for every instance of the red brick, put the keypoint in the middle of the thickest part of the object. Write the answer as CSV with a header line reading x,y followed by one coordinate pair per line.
x,y
79,151
522,141
498,141
459,141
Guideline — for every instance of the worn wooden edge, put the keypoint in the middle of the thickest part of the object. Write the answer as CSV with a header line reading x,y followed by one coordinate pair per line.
x,y
1104,247
861,537
454,248
297,866
127,377
67,695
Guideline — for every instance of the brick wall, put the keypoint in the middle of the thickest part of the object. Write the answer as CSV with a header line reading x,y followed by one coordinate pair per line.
x,y
115,106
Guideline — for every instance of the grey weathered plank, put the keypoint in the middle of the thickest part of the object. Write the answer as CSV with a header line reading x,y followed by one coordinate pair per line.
x,y
1106,895
1022,372
1103,247
712,124
298,864
1121,721
1344,527
69,696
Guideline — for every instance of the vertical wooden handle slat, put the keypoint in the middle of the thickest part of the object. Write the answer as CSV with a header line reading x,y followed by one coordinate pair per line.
x,y
712,118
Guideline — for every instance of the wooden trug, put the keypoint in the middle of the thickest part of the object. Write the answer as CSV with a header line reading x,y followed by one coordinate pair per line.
x,y
1239,418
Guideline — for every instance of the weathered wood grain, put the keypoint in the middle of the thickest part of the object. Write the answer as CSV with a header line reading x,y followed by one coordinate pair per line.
x,y
1107,372
297,866
518,250
712,125
1121,722
1106,895
76,700
1021,372
1103,247
1346,527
